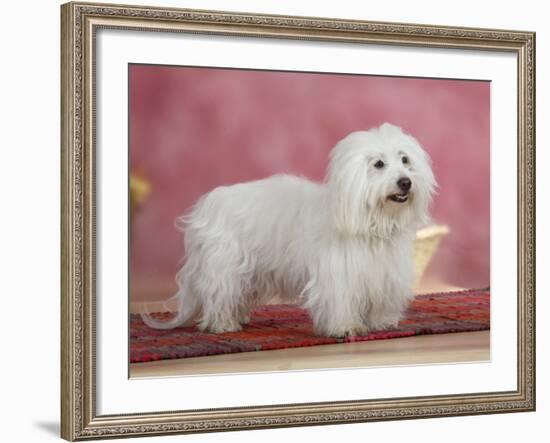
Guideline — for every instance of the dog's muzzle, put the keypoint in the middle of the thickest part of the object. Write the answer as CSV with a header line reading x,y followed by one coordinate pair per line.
x,y
404,184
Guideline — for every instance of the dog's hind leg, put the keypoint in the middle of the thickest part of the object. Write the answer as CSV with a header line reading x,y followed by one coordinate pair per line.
x,y
224,304
221,313
221,270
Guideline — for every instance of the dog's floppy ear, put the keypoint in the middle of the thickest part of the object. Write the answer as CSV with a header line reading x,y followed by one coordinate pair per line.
x,y
425,184
347,181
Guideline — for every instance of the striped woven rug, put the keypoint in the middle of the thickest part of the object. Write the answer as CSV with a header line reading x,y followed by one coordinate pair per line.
x,y
289,326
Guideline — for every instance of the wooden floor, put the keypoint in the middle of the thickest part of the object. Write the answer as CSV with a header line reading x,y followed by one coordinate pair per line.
x,y
426,349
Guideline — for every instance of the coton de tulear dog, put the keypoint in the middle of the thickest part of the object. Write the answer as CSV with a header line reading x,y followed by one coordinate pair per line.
x,y
342,249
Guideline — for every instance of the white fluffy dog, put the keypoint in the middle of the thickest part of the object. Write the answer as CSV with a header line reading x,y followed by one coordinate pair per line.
x,y
342,249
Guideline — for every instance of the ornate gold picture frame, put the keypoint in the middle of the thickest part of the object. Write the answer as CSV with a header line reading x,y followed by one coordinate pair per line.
x,y
80,23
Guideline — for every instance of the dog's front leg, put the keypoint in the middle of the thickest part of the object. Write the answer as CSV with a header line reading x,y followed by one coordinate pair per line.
x,y
382,318
334,312
386,311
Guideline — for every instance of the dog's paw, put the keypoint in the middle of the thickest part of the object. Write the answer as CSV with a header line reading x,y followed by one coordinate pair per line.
x,y
349,331
244,319
221,328
384,325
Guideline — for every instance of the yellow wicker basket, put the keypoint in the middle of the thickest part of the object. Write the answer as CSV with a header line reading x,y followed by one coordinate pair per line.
x,y
425,246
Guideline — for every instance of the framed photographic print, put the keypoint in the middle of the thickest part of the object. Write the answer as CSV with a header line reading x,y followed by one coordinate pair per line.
x,y
284,221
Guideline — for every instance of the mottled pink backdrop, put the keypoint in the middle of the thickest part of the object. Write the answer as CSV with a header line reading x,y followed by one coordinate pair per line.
x,y
192,129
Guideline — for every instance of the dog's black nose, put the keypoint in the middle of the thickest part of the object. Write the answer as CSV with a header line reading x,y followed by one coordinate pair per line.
x,y
404,184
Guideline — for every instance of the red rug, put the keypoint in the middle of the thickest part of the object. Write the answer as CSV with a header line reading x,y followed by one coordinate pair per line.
x,y
288,326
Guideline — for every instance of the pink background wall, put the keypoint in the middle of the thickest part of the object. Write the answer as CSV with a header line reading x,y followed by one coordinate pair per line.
x,y
192,129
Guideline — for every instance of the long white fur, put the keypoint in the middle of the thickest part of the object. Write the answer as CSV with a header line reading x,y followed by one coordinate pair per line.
x,y
340,248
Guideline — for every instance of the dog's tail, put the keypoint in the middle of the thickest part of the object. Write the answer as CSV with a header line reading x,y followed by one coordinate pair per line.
x,y
188,307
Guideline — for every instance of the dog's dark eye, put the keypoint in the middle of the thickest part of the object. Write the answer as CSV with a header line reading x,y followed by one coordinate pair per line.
x,y
379,164
405,160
